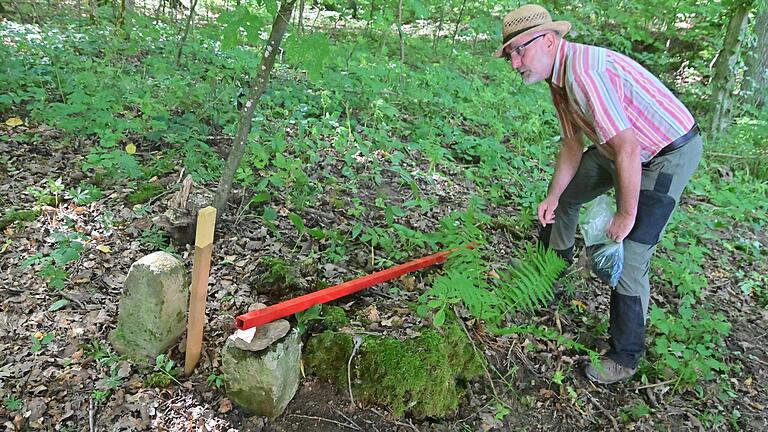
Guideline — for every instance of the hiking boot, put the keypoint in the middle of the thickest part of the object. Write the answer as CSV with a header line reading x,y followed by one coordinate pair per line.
x,y
608,371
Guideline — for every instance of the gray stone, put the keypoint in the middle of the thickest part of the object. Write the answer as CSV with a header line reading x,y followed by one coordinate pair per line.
x,y
258,338
263,382
153,309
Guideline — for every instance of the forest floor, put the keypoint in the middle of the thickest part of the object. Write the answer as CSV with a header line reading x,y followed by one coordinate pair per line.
x,y
55,381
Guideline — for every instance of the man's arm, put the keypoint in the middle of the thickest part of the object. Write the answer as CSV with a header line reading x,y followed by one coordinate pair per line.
x,y
567,163
626,152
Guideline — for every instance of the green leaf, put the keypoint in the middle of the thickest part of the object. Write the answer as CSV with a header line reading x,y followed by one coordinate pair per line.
x,y
439,319
270,214
58,305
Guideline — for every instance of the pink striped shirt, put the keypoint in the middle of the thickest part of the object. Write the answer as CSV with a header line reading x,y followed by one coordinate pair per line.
x,y
602,93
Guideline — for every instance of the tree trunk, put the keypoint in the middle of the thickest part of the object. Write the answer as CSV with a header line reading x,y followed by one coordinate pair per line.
x,y
92,15
402,38
756,74
439,26
301,17
258,87
458,23
723,79
186,31
120,21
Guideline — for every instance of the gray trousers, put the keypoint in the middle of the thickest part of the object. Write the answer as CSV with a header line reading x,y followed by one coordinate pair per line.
x,y
663,180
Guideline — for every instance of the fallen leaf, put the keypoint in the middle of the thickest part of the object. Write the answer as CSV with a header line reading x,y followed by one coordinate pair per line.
x,y
748,382
372,314
225,406
58,305
579,304
14,121
105,249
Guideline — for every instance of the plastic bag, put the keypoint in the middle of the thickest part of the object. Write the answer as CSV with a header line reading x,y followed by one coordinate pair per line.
x,y
606,257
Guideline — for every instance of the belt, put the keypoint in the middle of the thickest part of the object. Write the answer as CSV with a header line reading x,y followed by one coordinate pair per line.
x,y
680,142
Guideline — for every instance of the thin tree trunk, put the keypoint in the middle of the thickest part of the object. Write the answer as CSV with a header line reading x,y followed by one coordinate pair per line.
x,y
120,15
258,87
400,33
723,79
439,26
186,31
92,15
756,73
301,17
458,23
369,24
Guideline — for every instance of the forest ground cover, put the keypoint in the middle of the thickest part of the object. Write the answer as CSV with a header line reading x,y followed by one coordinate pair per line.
x,y
352,167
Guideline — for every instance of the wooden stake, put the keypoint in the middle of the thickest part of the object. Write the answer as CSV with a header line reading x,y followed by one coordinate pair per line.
x,y
206,222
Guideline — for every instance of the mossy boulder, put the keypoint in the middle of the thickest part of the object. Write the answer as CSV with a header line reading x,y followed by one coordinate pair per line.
x,y
334,317
420,375
146,192
153,308
263,382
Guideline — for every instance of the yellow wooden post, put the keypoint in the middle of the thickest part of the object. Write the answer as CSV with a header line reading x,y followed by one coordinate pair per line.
x,y
206,222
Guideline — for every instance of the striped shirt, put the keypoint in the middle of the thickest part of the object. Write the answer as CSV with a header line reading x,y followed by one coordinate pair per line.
x,y
601,93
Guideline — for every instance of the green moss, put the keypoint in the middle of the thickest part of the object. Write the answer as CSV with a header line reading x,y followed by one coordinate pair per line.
x,y
418,375
18,215
146,192
158,380
334,317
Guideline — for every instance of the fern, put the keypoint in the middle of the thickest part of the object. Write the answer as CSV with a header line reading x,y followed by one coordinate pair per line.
x,y
528,286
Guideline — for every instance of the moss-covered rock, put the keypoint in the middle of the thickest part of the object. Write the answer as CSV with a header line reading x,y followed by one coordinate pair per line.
x,y
334,317
146,192
419,375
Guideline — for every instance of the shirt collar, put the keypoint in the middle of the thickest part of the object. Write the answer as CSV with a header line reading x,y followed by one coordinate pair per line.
x,y
558,69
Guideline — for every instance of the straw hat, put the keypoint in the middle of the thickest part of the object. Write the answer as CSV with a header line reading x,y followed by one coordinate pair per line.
x,y
526,20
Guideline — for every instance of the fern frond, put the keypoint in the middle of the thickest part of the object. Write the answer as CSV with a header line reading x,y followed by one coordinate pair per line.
x,y
528,286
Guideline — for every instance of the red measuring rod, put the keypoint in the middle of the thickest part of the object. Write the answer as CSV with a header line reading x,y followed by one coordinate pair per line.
x,y
299,304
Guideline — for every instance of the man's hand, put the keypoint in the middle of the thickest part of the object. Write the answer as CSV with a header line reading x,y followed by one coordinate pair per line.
x,y
547,211
620,227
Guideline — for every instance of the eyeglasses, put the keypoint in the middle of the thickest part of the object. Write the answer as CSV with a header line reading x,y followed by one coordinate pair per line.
x,y
520,49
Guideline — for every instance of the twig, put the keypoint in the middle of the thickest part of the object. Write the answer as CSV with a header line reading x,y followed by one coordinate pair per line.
x,y
647,386
348,419
353,427
472,341
90,415
358,341
409,424
753,358
603,410
727,155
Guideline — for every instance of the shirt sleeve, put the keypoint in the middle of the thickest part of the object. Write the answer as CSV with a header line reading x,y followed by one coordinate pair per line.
x,y
601,93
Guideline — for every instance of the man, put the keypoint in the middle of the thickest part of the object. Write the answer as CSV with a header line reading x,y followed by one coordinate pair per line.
x,y
646,146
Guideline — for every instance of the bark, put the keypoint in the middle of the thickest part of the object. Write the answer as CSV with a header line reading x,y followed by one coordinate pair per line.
x,y
257,88
722,83
756,74
186,31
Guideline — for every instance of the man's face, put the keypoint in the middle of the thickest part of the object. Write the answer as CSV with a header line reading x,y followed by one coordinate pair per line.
x,y
532,57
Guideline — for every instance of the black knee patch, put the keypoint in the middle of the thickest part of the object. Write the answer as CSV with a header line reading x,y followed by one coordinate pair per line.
x,y
654,207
